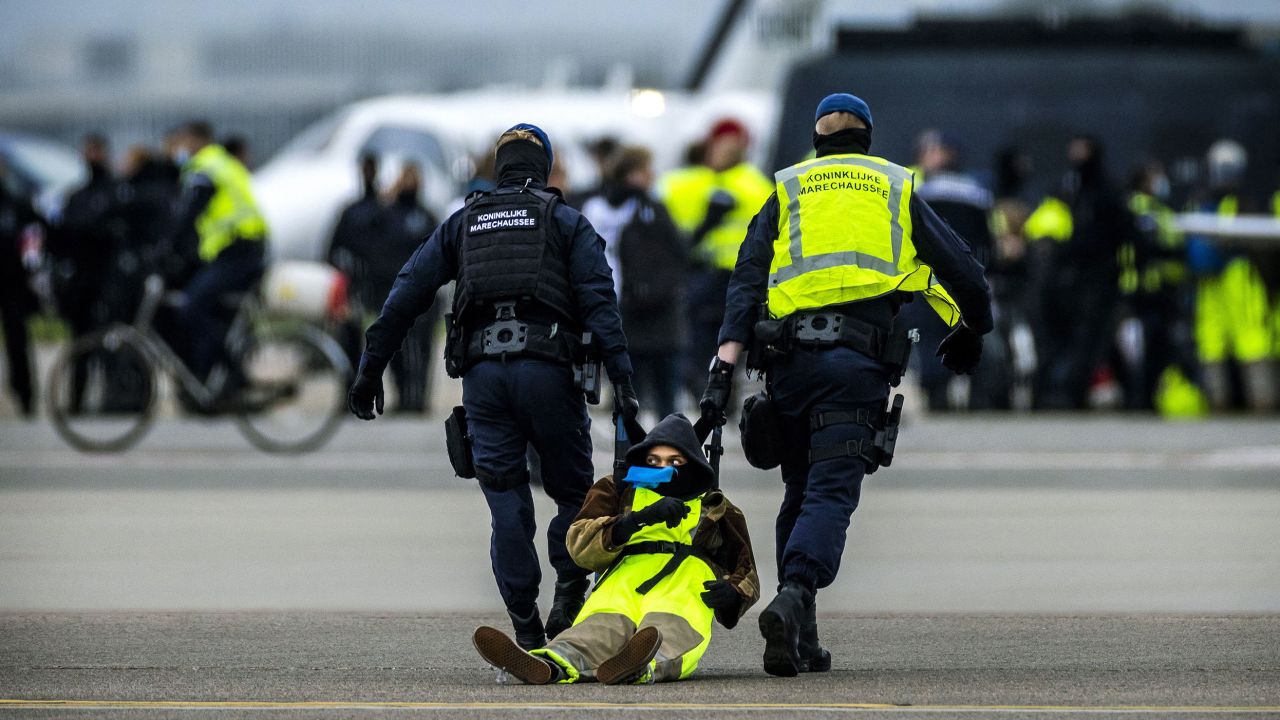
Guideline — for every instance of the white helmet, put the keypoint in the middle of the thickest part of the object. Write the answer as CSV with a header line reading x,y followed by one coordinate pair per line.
x,y
1227,160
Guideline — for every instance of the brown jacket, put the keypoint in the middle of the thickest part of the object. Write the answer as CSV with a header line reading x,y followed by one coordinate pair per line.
x,y
721,537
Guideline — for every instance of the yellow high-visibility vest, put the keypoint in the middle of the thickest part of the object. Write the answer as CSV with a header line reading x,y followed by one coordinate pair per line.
x,y
232,213
844,235
687,194
1051,219
1159,274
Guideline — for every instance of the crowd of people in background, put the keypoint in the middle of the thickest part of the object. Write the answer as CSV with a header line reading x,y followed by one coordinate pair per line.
x,y
1101,301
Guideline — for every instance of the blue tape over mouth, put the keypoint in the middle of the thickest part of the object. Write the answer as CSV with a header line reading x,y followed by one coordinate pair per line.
x,y
650,477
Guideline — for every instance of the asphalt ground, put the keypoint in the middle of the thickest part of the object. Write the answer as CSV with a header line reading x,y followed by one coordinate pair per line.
x,y
1010,567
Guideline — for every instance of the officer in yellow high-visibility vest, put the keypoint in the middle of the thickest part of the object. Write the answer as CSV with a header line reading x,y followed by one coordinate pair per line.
x,y
831,257
219,210
1233,322
712,202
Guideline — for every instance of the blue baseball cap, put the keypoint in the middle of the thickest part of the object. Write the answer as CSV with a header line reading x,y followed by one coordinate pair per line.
x,y
844,102
542,136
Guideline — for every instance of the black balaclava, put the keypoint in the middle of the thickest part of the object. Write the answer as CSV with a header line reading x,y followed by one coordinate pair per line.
x,y
843,142
521,160
695,476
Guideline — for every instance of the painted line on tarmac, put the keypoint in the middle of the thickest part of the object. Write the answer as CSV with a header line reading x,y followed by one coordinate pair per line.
x,y
20,704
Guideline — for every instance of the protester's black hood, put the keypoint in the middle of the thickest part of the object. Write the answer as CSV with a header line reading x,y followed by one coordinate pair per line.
x,y
694,477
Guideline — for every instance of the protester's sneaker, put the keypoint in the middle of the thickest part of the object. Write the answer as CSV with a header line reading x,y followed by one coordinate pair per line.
x,y
503,653
632,662
569,599
780,626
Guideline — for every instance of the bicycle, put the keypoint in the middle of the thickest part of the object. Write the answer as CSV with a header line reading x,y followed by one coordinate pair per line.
x,y
290,379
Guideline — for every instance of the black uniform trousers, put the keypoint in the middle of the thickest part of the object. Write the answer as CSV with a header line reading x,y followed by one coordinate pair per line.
x,y
820,497
511,405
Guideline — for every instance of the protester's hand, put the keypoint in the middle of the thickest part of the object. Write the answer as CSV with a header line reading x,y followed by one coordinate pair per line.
x,y
961,350
668,510
366,396
721,595
715,398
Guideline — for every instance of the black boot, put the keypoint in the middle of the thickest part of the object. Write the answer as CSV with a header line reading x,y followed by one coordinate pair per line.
x,y
570,595
813,658
529,632
780,625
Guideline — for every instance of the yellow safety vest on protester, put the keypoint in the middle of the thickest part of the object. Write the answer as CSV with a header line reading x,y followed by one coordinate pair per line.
x,y
232,213
687,193
844,235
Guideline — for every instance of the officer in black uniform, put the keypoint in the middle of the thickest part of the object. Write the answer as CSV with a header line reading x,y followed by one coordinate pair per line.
x,y
532,281
831,350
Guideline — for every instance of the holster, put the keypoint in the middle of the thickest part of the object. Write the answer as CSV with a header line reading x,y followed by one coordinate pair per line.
x,y
455,347
761,426
457,441
588,368
877,451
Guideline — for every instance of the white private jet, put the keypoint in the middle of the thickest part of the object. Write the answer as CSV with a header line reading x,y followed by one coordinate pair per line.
x,y
304,187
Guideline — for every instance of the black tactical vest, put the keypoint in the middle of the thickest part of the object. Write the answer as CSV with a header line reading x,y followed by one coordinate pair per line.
x,y
511,251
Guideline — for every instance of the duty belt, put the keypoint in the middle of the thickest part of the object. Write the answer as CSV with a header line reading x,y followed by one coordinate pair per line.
x,y
830,328
514,338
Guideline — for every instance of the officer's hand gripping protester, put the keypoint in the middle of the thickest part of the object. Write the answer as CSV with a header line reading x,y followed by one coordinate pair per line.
x,y
830,259
534,314
672,553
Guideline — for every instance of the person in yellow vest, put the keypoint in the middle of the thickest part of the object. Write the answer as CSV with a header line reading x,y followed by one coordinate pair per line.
x,y
831,257
1233,322
712,202
1154,284
220,217
672,554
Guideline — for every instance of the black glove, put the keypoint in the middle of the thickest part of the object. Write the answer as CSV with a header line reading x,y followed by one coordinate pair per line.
x,y
721,595
961,350
366,394
715,399
668,510
627,401
718,207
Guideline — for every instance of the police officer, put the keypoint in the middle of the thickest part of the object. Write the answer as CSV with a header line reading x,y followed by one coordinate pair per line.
x,y
832,255
230,232
531,278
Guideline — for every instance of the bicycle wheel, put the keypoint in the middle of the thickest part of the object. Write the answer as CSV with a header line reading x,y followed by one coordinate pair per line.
x,y
297,389
102,391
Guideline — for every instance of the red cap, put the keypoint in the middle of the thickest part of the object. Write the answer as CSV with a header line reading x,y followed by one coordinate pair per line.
x,y
728,126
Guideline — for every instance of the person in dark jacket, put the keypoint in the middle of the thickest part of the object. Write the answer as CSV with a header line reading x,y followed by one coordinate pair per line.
x,y
406,223
831,286
649,257
85,245
1078,277
649,618
20,229
965,205
532,278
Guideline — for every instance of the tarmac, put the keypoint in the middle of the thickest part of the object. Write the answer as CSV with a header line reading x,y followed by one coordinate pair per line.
x,y
1003,567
